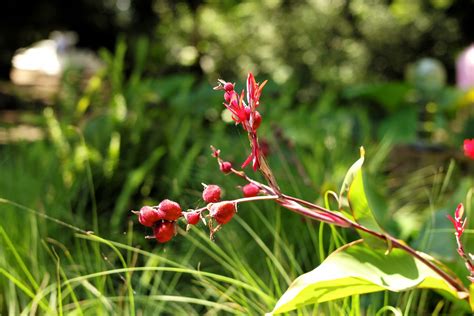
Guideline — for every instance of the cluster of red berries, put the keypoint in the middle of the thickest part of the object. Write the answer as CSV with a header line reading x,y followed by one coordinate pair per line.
x,y
163,217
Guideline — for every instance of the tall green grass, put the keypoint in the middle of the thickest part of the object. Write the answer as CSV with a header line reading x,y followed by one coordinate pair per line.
x,y
70,246
51,262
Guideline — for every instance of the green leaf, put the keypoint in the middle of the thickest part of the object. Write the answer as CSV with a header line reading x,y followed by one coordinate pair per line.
x,y
358,269
362,211
471,296
361,202
349,178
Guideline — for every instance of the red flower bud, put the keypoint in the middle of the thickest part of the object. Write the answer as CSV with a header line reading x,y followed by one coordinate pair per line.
x,y
225,167
459,213
250,190
469,148
215,152
211,194
227,97
222,212
148,216
247,111
164,231
228,86
192,217
169,210
257,120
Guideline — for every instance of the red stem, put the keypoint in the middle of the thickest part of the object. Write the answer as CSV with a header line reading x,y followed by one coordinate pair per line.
x,y
315,211
395,243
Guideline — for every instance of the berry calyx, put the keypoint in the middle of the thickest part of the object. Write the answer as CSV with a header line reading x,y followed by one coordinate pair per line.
x,y
223,212
225,167
250,190
192,218
169,210
211,194
148,216
164,231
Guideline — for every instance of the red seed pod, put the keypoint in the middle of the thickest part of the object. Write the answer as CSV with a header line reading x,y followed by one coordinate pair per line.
x,y
211,194
228,86
222,212
225,167
164,231
250,190
148,216
169,210
192,218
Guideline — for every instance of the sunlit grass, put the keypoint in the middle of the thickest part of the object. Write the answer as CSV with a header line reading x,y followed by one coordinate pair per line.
x,y
69,246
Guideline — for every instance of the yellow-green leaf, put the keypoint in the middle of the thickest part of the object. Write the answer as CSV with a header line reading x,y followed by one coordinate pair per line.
x,y
358,269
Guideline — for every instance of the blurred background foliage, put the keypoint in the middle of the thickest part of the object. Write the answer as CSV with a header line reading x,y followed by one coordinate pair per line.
x,y
323,42
341,74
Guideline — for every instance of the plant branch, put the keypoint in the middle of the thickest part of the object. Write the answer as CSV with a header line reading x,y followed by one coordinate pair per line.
x,y
320,213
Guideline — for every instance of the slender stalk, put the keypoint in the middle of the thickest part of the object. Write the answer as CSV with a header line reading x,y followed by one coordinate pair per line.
x,y
241,200
395,242
317,212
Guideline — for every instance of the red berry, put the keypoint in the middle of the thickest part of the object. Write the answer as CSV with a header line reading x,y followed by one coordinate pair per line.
x,y
192,217
148,216
250,190
228,86
164,231
226,167
169,210
222,212
211,194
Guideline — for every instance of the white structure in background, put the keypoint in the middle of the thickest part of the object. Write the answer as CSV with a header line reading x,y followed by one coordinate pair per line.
x,y
44,62
465,69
